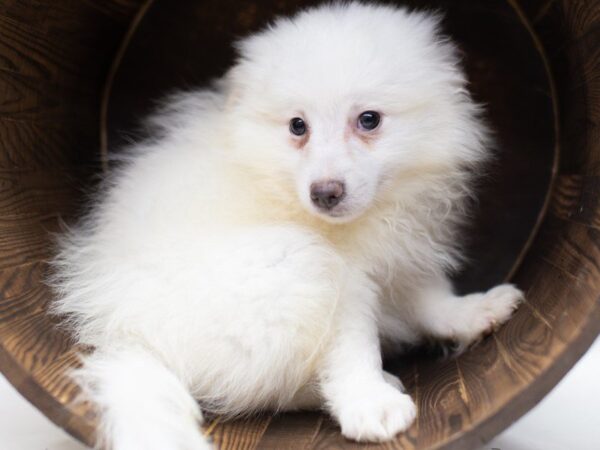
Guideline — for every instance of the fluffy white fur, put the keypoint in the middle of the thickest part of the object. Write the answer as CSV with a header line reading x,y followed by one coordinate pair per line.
x,y
205,272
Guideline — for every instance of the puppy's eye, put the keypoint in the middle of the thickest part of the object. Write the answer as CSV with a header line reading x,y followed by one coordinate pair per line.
x,y
369,120
297,126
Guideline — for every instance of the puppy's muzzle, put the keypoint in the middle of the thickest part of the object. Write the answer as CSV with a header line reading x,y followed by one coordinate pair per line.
x,y
327,194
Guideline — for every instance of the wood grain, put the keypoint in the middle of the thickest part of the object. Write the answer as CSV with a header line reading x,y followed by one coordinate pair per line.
x,y
54,59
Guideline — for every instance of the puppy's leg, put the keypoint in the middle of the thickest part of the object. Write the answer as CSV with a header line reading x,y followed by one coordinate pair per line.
x,y
353,384
466,319
142,405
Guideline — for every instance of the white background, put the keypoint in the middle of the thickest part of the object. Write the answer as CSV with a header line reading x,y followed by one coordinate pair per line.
x,y
567,419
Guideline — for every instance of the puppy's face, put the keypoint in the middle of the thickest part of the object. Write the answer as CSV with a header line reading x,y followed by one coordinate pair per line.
x,y
340,107
327,155
337,169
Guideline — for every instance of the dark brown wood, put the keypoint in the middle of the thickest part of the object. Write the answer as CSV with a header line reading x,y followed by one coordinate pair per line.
x,y
53,61
537,66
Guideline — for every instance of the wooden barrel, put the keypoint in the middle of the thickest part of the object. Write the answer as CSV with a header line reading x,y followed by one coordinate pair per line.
x,y
75,75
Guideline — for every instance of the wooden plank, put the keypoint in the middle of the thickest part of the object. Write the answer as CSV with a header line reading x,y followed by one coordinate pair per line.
x,y
53,60
27,193
238,434
577,64
33,341
292,431
49,144
25,49
573,248
55,378
25,99
576,199
23,245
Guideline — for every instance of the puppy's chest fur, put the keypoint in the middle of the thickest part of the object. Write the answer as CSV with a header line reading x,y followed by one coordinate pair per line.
x,y
395,246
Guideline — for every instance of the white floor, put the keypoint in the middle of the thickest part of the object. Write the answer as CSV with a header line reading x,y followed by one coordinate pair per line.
x,y
567,419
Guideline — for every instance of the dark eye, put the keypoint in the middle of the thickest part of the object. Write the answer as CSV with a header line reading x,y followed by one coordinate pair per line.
x,y
297,126
369,120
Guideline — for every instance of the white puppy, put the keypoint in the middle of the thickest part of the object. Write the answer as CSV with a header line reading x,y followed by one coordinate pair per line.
x,y
283,227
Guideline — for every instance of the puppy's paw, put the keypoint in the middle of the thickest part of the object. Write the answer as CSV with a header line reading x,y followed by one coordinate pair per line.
x,y
489,310
497,305
376,414
394,381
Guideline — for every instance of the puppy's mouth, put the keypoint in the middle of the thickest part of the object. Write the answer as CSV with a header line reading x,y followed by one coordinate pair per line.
x,y
341,213
337,211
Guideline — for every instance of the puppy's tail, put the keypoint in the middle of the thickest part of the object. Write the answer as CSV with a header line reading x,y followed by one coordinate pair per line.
x,y
142,405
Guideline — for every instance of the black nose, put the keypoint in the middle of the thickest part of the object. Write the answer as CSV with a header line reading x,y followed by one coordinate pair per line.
x,y
327,194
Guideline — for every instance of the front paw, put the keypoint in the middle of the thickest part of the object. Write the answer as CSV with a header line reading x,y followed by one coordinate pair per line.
x,y
376,413
394,381
489,310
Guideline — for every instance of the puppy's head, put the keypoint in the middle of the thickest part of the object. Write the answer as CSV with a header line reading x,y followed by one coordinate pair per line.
x,y
347,106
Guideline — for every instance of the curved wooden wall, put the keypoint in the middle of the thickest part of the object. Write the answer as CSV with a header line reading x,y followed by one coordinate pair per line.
x,y
54,60
54,57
